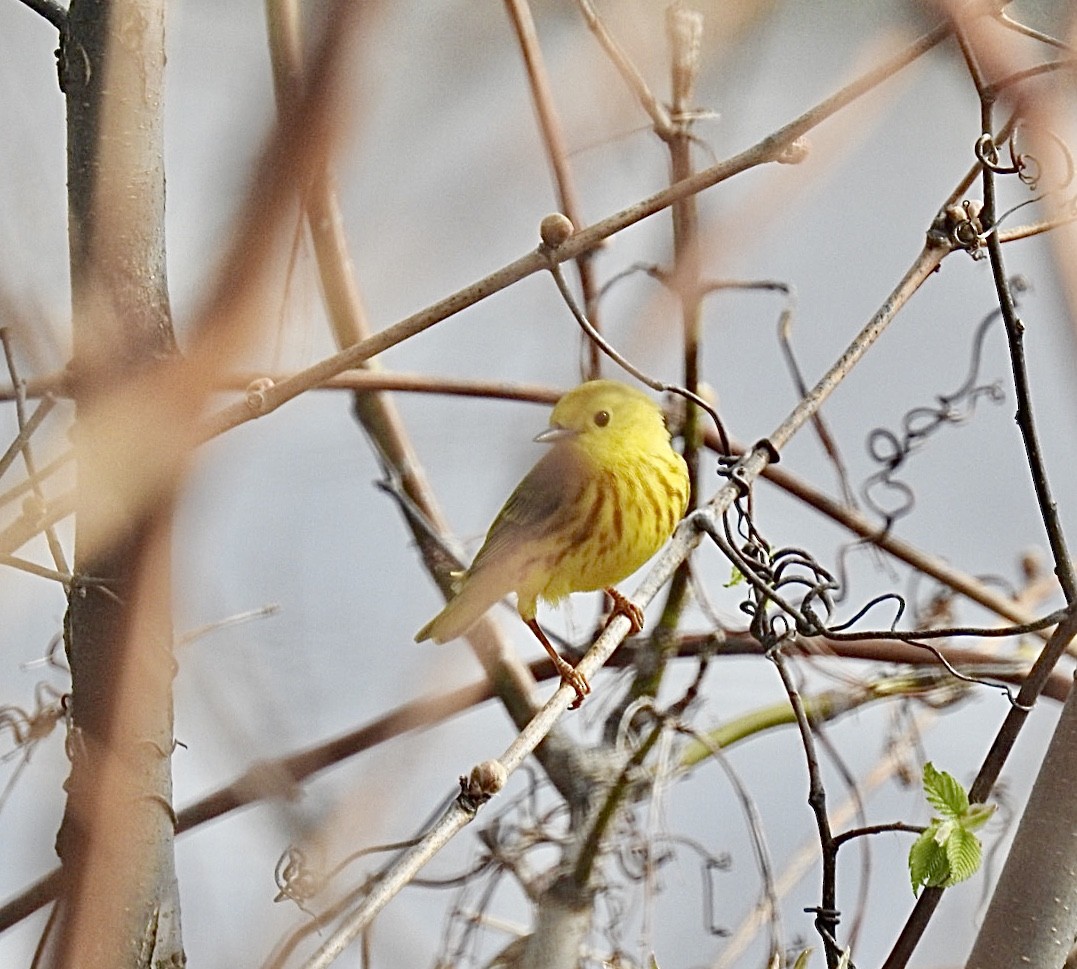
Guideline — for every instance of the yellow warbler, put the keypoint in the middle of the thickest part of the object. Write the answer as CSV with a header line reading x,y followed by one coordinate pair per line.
x,y
600,502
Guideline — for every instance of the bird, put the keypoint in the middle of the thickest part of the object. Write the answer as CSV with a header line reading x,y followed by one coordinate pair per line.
x,y
603,499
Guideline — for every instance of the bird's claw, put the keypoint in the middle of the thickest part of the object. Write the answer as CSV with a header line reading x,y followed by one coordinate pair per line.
x,y
568,673
623,606
571,676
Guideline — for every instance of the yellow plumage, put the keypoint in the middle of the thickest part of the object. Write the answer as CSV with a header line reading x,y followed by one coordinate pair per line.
x,y
599,504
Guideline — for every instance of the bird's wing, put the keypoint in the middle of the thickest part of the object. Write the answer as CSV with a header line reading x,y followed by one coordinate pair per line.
x,y
533,510
513,545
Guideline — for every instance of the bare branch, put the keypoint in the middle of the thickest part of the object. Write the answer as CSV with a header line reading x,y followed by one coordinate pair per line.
x,y
52,11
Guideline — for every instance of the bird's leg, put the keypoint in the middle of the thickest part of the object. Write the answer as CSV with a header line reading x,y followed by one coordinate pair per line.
x,y
569,674
623,606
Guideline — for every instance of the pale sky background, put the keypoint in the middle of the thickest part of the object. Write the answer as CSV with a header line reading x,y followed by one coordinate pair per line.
x,y
443,180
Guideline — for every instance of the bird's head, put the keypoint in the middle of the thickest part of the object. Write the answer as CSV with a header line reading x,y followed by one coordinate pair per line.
x,y
603,417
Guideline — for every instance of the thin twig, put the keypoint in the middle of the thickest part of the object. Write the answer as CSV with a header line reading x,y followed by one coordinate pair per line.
x,y
54,384
590,850
262,612
654,108
989,771
926,262
66,579
622,361
553,138
33,521
769,149
29,483
769,903
994,89
51,11
1007,21
26,431
928,901
684,28
1026,423
462,811
826,919
55,548
822,431
1035,229
687,536
869,829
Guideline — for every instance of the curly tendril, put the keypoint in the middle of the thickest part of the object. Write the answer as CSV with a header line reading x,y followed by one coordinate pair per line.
x,y
892,499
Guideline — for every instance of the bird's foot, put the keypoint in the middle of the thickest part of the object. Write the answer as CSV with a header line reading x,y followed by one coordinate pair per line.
x,y
574,678
568,673
623,606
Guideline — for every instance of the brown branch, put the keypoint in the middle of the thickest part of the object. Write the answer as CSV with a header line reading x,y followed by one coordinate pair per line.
x,y
769,149
553,139
276,778
51,11
378,415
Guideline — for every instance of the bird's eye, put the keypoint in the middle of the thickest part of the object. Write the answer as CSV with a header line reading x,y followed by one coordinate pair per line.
x,y
602,418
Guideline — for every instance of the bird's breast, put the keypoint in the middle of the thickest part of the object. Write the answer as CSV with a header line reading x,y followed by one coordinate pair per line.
x,y
624,515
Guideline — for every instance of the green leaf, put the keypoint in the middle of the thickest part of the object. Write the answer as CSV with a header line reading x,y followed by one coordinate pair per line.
x,y
944,793
928,862
977,816
947,852
963,853
736,577
802,959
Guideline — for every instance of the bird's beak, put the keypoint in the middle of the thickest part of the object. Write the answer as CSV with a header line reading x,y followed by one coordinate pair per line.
x,y
554,434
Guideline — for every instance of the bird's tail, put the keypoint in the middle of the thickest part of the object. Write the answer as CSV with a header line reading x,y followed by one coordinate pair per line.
x,y
478,592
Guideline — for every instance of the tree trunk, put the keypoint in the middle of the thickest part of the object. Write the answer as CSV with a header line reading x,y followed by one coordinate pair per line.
x,y
119,906
1032,918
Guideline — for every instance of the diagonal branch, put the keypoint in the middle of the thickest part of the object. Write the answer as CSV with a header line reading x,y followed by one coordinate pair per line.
x,y
53,12
768,149
401,870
